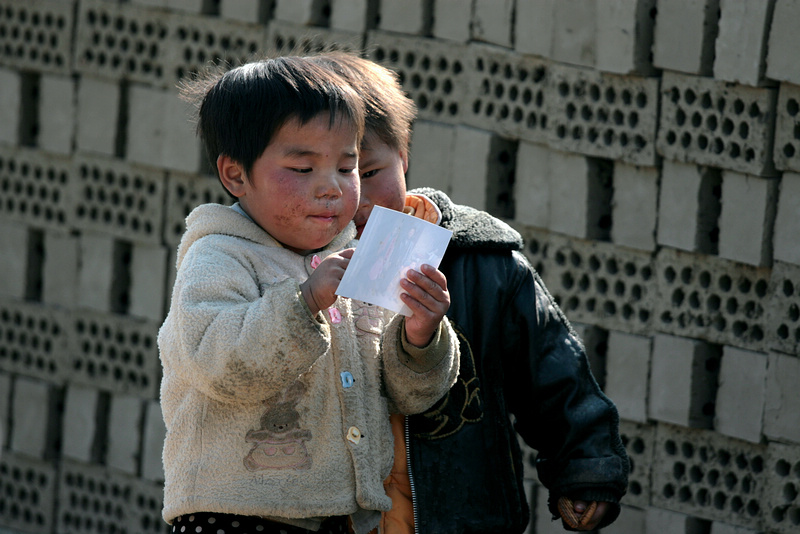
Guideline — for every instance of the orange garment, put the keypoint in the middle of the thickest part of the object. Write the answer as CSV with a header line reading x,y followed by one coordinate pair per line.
x,y
400,519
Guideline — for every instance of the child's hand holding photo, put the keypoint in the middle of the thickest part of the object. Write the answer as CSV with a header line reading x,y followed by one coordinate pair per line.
x,y
427,296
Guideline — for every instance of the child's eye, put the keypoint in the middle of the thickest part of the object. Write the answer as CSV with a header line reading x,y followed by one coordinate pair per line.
x,y
347,170
369,174
303,170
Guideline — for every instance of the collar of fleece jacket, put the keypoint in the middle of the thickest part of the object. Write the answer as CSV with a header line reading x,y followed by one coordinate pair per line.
x,y
472,228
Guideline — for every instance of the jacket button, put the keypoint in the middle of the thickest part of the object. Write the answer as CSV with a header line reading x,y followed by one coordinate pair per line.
x,y
347,379
353,435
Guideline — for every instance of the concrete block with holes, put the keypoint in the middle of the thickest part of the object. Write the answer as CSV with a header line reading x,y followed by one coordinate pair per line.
x,y
181,149
60,269
10,105
684,35
574,32
124,433
481,172
634,206
303,12
628,374
682,381
99,112
532,185
493,22
145,135
718,527
787,220
782,405
432,147
452,19
96,274
147,289
32,413
533,27
353,15
595,342
746,222
741,416
625,36
57,113
153,442
250,11
688,207
580,196
784,39
741,44
14,240
413,17
79,422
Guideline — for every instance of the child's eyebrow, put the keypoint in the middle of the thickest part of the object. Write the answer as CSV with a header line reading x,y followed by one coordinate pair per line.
x,y
299,152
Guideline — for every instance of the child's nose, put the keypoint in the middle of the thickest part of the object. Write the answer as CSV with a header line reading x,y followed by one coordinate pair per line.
x,y
329,185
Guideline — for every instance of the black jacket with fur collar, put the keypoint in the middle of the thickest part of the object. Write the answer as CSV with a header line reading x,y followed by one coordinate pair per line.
x,y
520,359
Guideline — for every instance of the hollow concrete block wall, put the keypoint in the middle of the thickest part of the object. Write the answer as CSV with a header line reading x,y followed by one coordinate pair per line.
x,y
647,150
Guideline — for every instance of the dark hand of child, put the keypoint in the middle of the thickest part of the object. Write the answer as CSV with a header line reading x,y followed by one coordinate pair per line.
x,y
427,296
319,290
581,515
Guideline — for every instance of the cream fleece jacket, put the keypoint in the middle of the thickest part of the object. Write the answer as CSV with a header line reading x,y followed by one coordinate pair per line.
x,y
271,411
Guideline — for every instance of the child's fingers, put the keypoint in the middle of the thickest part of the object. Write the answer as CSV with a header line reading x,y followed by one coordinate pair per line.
x,y
429,285
435,274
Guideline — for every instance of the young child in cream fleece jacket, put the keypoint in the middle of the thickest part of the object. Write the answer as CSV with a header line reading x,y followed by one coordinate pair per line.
x,y
276,393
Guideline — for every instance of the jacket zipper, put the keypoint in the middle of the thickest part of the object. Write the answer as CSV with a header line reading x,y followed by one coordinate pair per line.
x,y
410,475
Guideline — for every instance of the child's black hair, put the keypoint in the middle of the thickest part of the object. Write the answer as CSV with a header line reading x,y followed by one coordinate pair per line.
x,y
241,110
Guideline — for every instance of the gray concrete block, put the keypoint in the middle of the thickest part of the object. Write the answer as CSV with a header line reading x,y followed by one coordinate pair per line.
x,y
574,32
532,185
747,219
148,270
57,118
684,35
630,521
353,15
718,527
624,36
482,173
249,11
688,207
124,433
787,143
431,162
153,443
38,36
783,333
533,28
782,404
781,499
783,42
634,206
304,12
628,374
787,220
737,415
580,196
79,423
32,418
683,381
741,46
150,3
5,407
414,17
190,6
452,19
286,38
639,442
96,274
181,149
99,110
658,521
147,108
14,242
60,271
541,517
493,22
10,106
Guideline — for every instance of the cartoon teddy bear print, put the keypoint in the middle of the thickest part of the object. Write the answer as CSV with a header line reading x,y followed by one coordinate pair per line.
x,y
280,442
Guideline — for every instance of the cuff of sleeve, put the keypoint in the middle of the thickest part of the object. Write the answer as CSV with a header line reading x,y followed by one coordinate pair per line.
x,y
423,359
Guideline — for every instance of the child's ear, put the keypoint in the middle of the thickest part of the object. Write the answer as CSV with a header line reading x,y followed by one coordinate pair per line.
x,y
404,157
231,175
